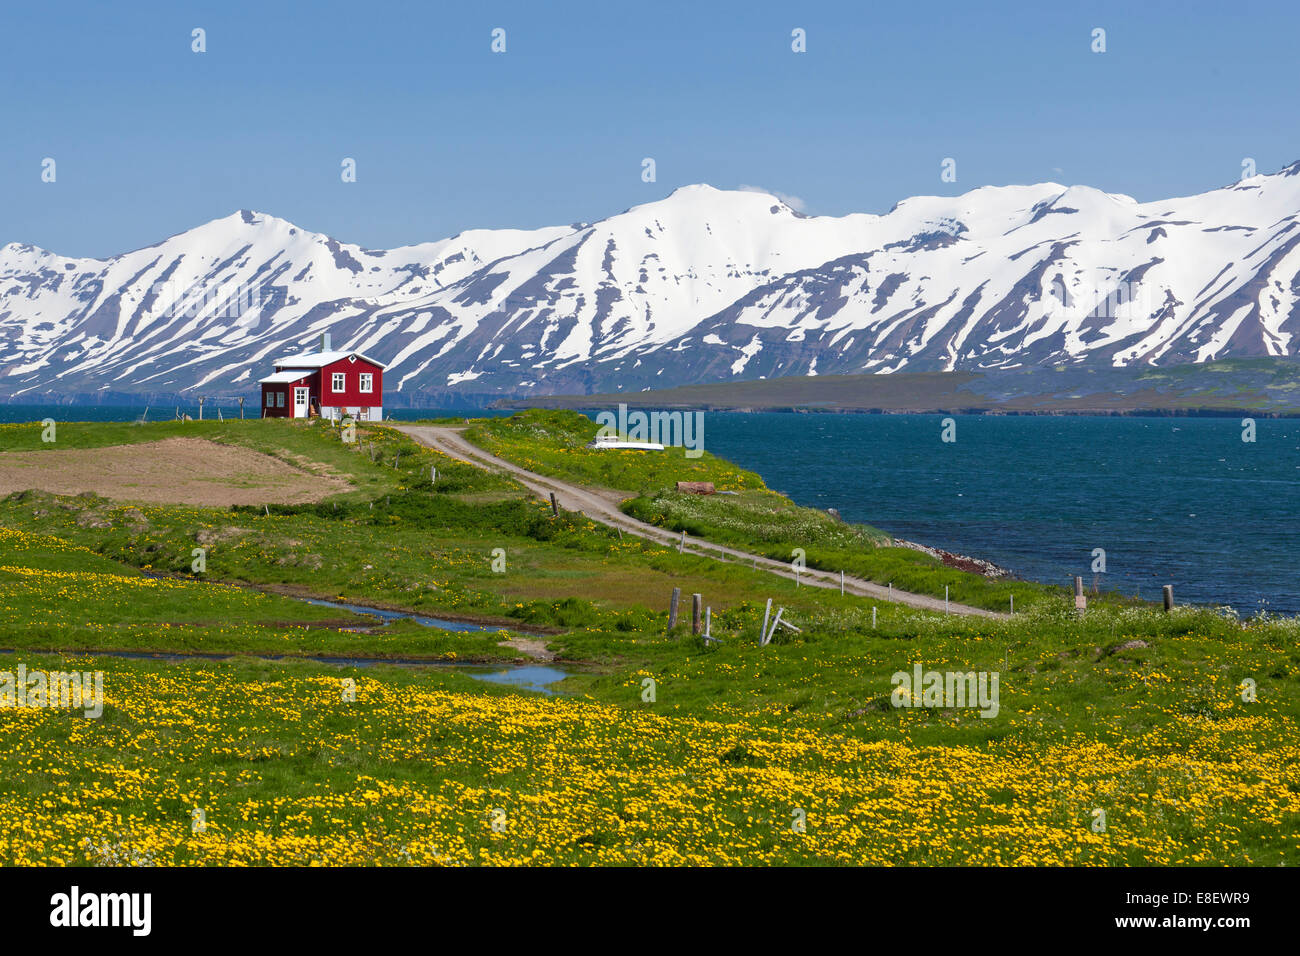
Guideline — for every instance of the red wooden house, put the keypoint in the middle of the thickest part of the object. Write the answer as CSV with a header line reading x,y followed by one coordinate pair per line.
x,y
325,383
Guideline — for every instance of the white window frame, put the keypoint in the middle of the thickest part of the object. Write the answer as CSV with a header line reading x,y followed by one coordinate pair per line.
x,y
279,399
367,381
270,399
339,381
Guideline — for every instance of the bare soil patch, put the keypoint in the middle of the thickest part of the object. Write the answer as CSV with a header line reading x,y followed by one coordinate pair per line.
x,y
189,471
529,647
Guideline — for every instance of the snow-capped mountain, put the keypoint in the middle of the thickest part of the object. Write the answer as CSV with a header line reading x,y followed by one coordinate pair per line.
x,y
704,285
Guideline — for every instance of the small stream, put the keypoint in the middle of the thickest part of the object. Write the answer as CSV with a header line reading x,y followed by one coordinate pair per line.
x,y
532,677
386,616
536,677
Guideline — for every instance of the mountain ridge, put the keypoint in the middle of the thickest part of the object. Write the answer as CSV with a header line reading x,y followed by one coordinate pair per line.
x,y
702,285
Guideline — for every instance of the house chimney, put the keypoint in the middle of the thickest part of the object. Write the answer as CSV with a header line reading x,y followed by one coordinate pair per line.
x,y
324,341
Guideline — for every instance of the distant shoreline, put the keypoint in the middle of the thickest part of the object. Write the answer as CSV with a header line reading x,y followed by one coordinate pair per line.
x,y
846,410
1259,388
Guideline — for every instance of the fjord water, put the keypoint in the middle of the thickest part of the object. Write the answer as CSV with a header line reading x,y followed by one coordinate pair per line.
x,y
1181,501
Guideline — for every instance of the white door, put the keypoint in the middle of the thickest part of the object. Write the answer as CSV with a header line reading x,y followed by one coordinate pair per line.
x,y
300,403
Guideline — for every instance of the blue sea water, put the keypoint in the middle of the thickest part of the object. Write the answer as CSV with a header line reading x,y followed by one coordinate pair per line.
x,y
1181,501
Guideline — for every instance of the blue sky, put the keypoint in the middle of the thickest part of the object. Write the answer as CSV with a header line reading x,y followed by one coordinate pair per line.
x,y
151,138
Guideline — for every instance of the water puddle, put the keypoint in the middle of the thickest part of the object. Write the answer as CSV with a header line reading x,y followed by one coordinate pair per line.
x,y
535,677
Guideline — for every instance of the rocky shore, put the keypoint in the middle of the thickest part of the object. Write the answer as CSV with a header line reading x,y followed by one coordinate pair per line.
x,y
962,562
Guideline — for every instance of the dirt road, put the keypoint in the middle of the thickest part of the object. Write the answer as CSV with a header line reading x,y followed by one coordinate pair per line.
x,y
603,505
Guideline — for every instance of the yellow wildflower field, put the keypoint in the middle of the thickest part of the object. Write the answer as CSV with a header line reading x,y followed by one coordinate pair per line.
x,y
236,764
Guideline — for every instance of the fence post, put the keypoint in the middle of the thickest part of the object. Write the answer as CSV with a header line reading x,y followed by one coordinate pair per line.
x,y
697,602
776,622
555,506
672,608
873,617
1169,597
762,635
841,584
